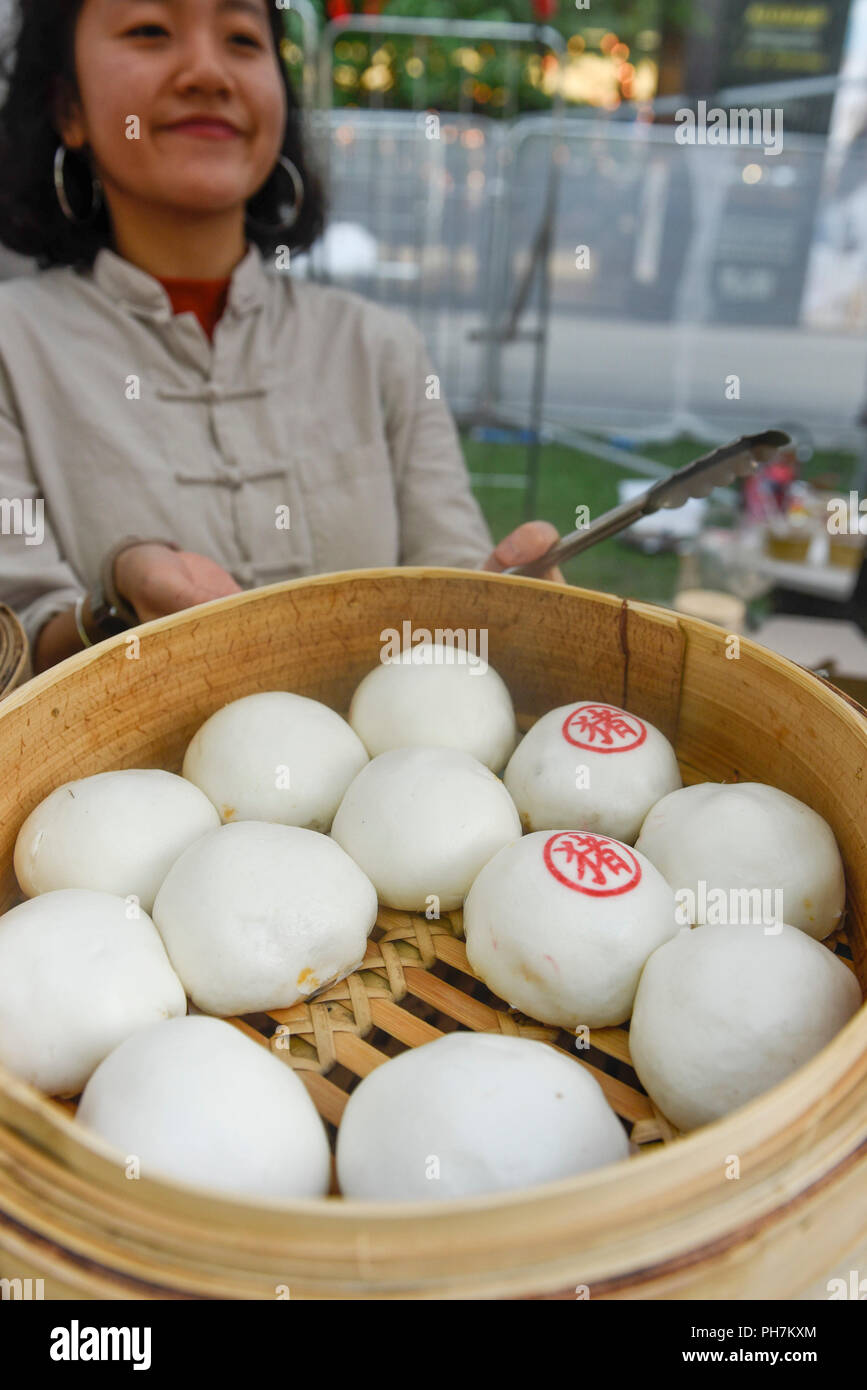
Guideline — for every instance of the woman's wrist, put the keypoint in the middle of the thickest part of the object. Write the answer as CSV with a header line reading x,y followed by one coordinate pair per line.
x,y
56,639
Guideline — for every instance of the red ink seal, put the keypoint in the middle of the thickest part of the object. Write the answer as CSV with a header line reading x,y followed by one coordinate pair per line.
x,y
593,864
603,729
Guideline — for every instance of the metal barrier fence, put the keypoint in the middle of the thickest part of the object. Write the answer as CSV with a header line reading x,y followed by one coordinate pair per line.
x,y
672,269
703,301
573,272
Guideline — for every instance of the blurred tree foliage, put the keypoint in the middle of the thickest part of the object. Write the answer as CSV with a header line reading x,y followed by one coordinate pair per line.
x,y
446,74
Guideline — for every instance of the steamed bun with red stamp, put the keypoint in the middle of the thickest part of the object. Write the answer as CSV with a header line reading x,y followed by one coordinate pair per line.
x,y
560,925
591,766
276,757
421,823
436,696
723,1013
473,1113
733,842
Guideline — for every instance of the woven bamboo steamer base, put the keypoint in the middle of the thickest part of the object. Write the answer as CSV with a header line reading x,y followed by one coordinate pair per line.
x,y
668,1223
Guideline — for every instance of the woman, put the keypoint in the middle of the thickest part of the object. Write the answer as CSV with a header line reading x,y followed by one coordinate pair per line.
x,y
194,421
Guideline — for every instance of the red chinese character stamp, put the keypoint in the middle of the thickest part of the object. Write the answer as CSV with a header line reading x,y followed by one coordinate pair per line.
x,y
590,863
603,729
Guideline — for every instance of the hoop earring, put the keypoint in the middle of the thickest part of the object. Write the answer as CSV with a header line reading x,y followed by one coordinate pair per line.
x,y
60,189
284,162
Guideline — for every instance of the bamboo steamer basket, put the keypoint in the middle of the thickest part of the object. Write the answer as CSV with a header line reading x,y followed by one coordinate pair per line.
x,y
671,1222
15,665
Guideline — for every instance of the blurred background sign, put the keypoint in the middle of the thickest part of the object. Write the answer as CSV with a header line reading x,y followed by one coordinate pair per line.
x,y
734,43
781,57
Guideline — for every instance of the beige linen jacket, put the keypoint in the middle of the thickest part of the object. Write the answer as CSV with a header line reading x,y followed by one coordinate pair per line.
x,y
122,418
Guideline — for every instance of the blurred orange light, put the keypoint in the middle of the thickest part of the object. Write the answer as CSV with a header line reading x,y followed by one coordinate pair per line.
x,y
620,50
626,72
549,62
607,42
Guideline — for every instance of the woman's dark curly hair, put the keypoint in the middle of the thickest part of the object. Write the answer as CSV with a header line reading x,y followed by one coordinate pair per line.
x,y
37,59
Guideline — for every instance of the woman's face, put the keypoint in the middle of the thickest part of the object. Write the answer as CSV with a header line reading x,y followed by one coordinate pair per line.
x,y
181,101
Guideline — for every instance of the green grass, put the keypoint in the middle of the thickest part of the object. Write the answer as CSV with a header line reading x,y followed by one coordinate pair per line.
x,y
569,478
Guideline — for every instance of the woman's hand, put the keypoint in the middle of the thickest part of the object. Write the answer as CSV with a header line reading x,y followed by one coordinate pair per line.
x,y
155,580
158,581
525,543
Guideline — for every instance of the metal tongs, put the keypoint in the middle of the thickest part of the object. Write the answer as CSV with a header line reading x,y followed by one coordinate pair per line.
x,y
736,460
